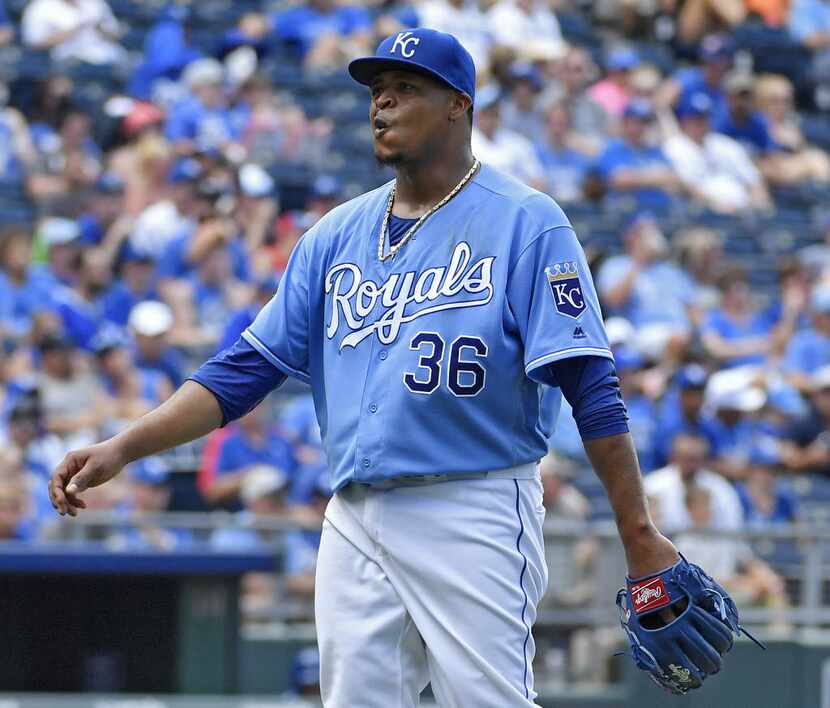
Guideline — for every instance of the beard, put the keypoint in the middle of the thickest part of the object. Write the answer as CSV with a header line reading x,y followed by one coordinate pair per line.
x,y
394,159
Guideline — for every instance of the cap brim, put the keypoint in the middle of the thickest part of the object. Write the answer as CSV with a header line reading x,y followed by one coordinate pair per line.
x,y
364,70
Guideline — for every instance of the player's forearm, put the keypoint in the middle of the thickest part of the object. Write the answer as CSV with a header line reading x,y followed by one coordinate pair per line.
x,y
188,414
615,461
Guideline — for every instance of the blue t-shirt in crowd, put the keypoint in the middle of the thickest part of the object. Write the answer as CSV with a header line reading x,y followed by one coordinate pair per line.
x,y
809,17
660,294
807,352
171,363
754,133
784,509
565,171
619,154
167,51
174,262
239,451
119,300
671,422
80,318
19,303
302,26
759,324
732,441
209,127
210,303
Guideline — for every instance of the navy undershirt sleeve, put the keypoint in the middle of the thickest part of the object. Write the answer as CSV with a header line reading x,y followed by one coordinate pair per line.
x,y
240,377
591,386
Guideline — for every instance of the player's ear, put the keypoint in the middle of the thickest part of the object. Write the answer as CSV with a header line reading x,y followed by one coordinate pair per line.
x,y
458,106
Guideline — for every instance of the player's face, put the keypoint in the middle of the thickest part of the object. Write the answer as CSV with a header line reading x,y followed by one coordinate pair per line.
x,y
408,114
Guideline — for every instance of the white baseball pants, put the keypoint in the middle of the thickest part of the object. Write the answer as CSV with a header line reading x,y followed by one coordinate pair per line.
x,y
437,583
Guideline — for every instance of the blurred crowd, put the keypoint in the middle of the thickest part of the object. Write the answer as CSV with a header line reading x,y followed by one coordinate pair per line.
x,y
141,231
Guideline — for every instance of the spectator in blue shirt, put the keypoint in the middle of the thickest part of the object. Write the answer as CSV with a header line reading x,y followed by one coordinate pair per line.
x,y
26,434
150,323
631,167
61,239
81,306
252,31
105,206
564,158
167,51
680,411
22,293
810,25
253,443
733,402
737,333
212,286
716,51
741,121
205,121
809,349
643,285
134,391
135,283
323,33
766,501
183,253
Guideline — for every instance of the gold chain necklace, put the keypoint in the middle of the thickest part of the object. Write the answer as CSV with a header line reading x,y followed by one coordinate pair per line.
x,y
417,225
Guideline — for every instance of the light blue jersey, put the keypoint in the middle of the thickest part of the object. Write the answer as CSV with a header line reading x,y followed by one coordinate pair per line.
x,y
430,362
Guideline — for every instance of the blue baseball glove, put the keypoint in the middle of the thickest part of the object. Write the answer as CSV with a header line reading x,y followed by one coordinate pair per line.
x,y
680,654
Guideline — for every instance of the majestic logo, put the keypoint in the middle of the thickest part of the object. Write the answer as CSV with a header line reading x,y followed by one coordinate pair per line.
x,y
681,675
403,40
579,333
649,596
566,289
353,299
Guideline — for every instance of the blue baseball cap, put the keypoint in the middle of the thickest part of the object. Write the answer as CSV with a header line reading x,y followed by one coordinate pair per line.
x,y
716,46
185,169
692,376
426,51
638,108
622,59
696,105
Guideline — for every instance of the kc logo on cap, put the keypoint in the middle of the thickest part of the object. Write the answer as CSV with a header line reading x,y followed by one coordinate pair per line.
x,y
425,51
403,40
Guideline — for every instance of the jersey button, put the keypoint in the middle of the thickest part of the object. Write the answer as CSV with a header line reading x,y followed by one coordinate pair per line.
x,y
366,462
373,408
383,355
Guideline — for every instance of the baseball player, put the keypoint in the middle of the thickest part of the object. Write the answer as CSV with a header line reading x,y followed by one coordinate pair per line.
x,y
426,316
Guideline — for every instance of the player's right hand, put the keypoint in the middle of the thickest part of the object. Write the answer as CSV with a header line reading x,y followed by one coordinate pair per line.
x,y
80,470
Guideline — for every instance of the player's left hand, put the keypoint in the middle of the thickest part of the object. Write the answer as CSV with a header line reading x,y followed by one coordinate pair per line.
x,y
681,652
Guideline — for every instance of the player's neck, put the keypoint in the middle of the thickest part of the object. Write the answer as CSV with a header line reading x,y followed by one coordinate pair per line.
x,y
421,185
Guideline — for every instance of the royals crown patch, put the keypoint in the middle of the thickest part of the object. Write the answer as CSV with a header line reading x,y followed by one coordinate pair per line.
x,y
566,289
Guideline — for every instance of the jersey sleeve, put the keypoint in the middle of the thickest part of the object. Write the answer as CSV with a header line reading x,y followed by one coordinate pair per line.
x,y
280,331
552,297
